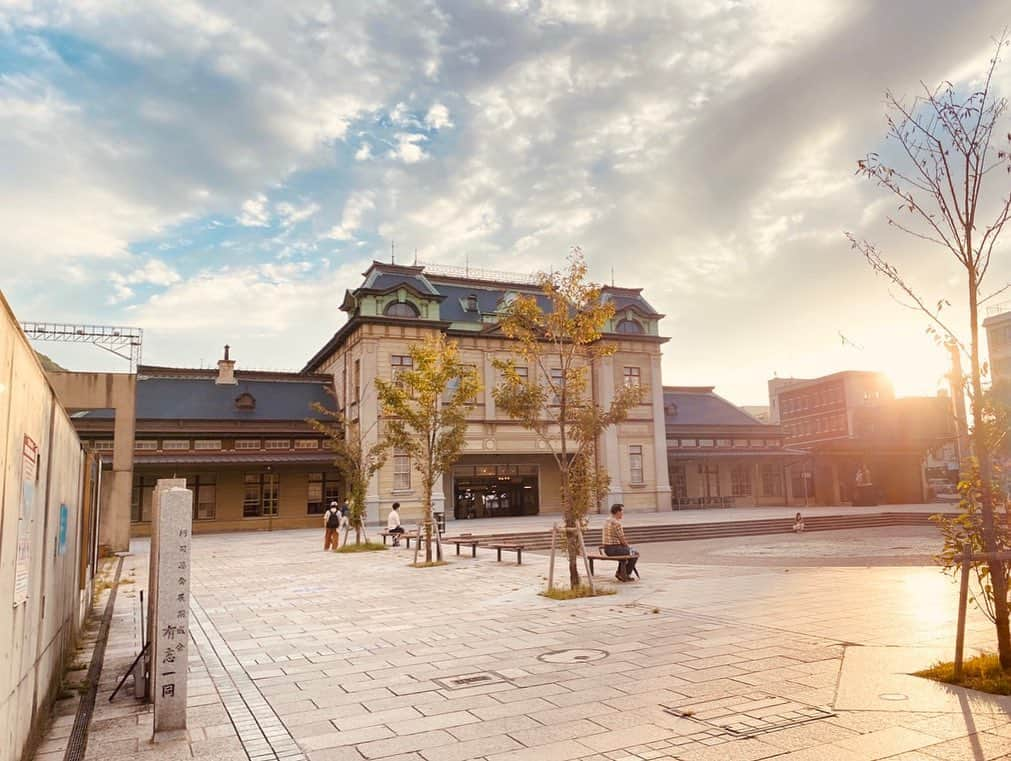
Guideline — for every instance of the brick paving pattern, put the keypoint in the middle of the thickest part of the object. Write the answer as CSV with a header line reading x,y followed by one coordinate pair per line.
x,y
301,654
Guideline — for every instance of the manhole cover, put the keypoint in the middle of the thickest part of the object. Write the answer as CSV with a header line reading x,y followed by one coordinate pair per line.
x,y
572,656
477,679
750,715
897,696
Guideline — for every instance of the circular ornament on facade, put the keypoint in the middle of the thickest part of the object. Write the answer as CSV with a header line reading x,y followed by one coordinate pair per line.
x,y
489,444
572,656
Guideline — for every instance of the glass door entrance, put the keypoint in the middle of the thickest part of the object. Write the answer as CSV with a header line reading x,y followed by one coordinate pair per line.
x,y
489,491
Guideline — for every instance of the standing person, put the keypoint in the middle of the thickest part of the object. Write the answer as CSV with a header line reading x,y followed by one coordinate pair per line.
x,y
614,543
332,522
393,524
346,507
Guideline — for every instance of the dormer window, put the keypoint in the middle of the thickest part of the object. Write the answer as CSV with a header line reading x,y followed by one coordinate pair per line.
x,y
630,326
471,303
401,309
245,401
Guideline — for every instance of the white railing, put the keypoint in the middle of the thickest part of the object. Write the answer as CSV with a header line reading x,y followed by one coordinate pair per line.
x,y
475,273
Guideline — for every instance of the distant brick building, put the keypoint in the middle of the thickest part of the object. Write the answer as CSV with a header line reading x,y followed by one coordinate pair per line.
x,y
862,443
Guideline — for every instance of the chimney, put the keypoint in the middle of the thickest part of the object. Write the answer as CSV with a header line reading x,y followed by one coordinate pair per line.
x,y
226,371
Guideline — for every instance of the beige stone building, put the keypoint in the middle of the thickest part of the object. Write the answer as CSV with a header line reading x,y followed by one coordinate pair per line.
x,y
504,470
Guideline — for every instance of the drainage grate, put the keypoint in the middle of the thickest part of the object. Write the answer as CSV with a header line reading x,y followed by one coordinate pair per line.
x,y
477,679
750,715
77,743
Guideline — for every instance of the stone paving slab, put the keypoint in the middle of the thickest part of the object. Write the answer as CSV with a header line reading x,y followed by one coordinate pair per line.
x,y
309,656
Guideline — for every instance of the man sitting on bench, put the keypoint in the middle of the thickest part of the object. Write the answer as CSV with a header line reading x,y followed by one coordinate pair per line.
x,y
613,543
393,524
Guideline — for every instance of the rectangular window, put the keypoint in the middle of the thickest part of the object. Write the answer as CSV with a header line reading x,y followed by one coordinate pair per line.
x,y
145,445
557,382
635,463
678,482
740,442
176,444
262,493
323,489
247,443
306,443
706,442
633,376
204,488
454,383
400,363
207,444
102,445
724,442
772,481
277,444
740,481
757,443
689,443
401,470
140,500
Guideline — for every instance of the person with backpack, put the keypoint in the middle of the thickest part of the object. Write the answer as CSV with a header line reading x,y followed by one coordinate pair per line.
x,y
332,522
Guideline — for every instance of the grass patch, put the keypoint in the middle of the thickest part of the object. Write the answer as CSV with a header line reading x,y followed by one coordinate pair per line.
x,y
574,594
982,672
363,547
430,564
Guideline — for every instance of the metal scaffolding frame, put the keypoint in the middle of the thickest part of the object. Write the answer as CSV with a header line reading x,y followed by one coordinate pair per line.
x,y
122,341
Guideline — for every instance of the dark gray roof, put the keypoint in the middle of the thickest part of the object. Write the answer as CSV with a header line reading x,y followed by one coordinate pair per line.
x,y
384,281
488,300
625,298
701,407
202,399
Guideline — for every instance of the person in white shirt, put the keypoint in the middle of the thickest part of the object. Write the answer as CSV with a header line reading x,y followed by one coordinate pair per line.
x,y
393,524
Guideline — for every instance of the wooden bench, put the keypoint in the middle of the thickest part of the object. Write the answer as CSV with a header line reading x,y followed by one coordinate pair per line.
x,y
517,548
465,541
601,555
407,536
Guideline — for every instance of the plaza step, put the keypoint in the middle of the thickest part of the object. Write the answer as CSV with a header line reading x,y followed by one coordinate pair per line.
x,y
680,532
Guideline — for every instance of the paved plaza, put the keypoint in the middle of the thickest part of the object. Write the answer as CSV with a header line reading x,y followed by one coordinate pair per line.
x,y
740,649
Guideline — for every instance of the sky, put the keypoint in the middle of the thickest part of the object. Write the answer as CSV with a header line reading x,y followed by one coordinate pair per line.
x,y
220,172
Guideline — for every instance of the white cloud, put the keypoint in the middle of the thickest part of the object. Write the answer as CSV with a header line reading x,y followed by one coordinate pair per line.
x,y
407,148
438,117
150,272
292,214
354,210
704,149
255,212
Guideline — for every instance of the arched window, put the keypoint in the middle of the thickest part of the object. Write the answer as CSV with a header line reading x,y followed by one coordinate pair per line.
x,y
630,326
401,309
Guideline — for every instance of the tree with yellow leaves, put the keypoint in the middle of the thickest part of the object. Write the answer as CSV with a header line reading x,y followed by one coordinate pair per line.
x,y
357,456
425,414
560,342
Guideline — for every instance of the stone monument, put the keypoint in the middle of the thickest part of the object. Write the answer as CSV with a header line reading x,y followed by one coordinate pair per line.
x,y
170,608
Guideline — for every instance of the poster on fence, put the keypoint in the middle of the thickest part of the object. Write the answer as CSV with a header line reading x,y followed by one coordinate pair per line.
x,y
22,562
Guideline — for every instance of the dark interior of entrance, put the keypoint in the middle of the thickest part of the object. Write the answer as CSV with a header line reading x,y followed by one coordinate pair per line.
x,y
490,491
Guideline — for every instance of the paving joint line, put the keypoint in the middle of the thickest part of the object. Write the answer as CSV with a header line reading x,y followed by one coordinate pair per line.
x,y
242,699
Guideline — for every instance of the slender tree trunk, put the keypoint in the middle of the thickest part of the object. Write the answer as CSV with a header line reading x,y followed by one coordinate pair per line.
x,y
1000,601
570,525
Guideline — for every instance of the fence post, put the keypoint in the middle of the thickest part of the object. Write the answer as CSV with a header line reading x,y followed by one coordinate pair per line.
x,y
551,560
586,561
963,600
